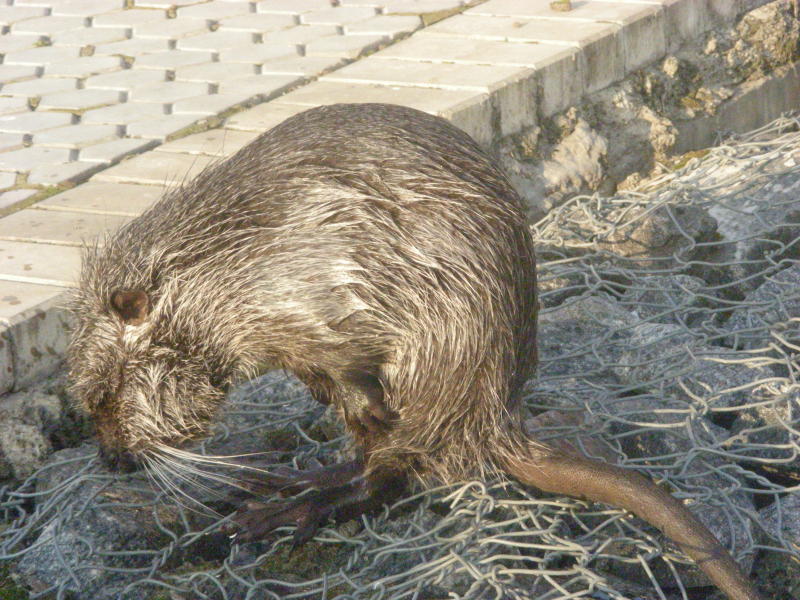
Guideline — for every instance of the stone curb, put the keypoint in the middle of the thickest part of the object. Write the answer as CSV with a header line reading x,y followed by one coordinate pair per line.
x,y
493,68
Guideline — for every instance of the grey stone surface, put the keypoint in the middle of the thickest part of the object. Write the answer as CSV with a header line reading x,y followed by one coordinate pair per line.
x,y
154,168
105,198
12,197
65,228
28,158
78,100
216,142
111,152
53,174
23,449
75,136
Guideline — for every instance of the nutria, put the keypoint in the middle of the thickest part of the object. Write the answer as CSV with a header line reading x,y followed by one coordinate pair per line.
x,y
377,253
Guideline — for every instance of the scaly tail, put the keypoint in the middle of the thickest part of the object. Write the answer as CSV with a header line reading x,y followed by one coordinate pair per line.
x,y
586,479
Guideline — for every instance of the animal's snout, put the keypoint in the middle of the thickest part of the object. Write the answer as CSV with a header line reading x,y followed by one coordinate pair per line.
x,y
121,461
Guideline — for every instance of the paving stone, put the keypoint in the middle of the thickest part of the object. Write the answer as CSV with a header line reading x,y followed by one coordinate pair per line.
x,y
515,30
32,122
86,8
214,10
14,14
291,7
49,25
31,225
167,92
7,180
126,79
471,51
111,152
13,105
121,114
257,23
12,197
307,66
80,99
10,73
216,40
329,92
213,104
38,87
420,7
155,168
17,297
27,158
172,59
345,46
105,198
40,56
128,18
391,25
11,141
481,78
612,12
89,36
301,34
164,3
215,72
262,117
53,174
215,142
84,66
263,86
162,128
337,15
133,47
171,29
258,53
19,42
39,263
76,136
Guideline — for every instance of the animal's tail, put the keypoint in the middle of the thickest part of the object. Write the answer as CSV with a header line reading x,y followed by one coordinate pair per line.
x,y
587,479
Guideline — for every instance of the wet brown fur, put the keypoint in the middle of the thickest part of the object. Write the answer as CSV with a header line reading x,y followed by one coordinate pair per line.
x,y
372,250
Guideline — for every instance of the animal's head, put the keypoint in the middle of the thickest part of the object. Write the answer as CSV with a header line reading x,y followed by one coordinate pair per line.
x,y
145,382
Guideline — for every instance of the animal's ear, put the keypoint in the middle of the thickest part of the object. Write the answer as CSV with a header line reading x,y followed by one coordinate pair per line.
x,y
132,305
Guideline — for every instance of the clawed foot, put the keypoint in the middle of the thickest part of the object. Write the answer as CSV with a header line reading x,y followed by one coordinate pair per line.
x,y
339,492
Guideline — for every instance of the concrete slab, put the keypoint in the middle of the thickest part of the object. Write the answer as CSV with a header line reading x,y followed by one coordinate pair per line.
x,y
52,227
155,168
54,174
216,142
42,264
264,116
108,153
123,199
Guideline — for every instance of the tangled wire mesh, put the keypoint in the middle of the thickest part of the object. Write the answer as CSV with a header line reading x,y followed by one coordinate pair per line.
x,y
670,336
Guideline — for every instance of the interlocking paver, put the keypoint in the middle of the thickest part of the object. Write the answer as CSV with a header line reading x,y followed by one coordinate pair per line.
x,y
111,152
84,66
13,105
520,30
126,80
214,10
38,87
161,128
391,25
215,142
211,105
105,198
216,40
48,25
308,66
346,46
264,116
215,72
11,141
257,23
39,263
73,229
156,168
76,136
612,12
80,99
134,47
264,86
27,158
301,34
40,56
128,18
89,36
19,42
338,15
164,3
32,122
171,29
291,7
14,14
121,114
52,174
17,297
85,7
172,59
258,53
168,91
7,180
12,197
10,73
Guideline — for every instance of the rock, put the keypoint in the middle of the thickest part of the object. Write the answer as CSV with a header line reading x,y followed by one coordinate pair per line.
x,y
40,410
23,449
778,572
669,299
576,163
